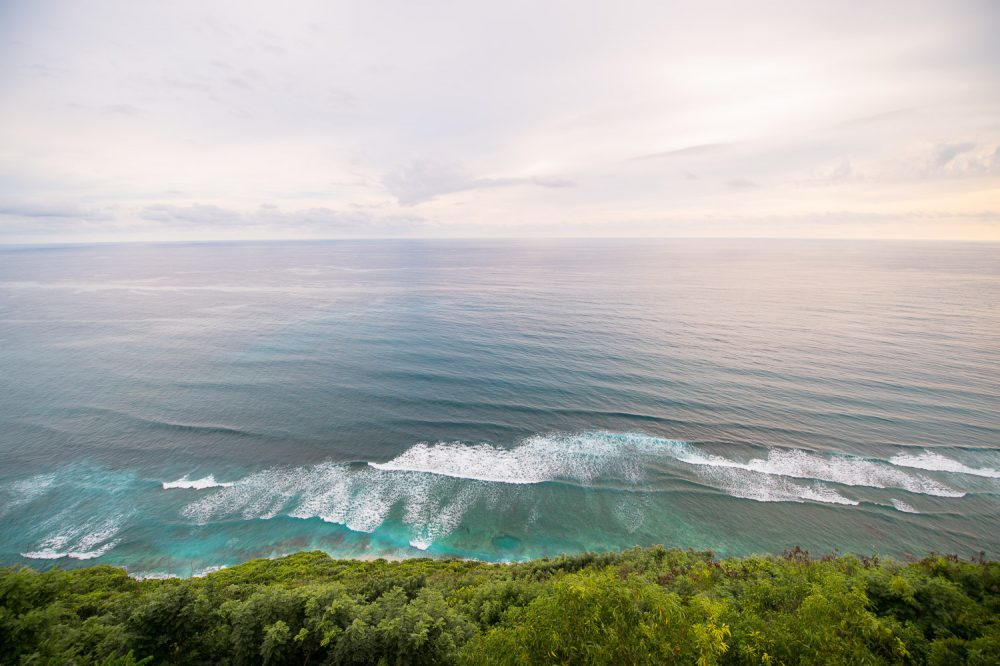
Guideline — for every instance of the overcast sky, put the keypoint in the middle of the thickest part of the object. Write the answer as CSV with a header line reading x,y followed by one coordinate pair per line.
x,y
194,120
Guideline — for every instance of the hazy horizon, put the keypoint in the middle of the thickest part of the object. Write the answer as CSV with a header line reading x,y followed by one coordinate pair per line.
x,y
445,239
243,121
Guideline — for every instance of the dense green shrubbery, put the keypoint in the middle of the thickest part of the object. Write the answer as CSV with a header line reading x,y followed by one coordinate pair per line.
x,y
643,606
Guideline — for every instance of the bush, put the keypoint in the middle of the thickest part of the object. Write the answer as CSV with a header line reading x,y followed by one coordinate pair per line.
x,y
640,606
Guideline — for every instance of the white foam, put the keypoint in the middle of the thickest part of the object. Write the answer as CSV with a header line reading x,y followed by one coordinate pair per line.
x,y
361,499
43,555
91,554
152,575
430,521
78,542
196,484
25,490
207,570
763,487
578,457
28,489
903,506
935,462
841,469
431,487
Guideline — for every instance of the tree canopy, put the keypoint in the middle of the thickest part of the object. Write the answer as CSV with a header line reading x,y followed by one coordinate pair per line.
x,y
641,606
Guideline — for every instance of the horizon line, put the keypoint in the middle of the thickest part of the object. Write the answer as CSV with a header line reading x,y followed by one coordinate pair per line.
x,y
488,238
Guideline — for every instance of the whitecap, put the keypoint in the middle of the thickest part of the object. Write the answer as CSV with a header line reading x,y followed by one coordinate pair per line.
x,y
84,542
196,484
903,506
431,487
935,462
841,469
361,499
582,457
764,487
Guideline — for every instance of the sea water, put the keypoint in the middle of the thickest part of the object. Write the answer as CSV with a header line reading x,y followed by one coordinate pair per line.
x,y
175,408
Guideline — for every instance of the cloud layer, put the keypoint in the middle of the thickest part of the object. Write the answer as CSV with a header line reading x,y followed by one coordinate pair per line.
x,y
247,120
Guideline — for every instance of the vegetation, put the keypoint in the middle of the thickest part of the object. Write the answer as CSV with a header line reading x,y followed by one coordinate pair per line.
x,y
642,606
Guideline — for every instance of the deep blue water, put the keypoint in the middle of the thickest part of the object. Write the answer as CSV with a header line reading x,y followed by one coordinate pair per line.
x,y
176,407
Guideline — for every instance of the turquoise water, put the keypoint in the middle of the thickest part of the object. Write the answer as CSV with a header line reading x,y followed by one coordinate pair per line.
x,y
173,408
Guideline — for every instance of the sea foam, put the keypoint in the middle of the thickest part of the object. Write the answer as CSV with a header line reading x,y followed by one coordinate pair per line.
x,y
841,469
432,487
935,462
196,484
84,542
582,457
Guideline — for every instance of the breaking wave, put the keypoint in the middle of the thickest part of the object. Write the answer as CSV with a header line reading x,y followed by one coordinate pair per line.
x,y
196,484
431,487
844,470
79,543
583,457
935,462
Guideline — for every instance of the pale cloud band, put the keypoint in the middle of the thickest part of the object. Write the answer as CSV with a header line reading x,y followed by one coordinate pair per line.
x,y
127,121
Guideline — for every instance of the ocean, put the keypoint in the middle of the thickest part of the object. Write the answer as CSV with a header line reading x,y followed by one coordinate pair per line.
x,y
174,408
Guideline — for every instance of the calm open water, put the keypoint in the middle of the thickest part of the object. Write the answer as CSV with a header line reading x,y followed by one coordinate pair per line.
x,y
178,407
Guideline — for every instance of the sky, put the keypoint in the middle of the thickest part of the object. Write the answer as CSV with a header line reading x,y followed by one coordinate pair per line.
x,y
137,120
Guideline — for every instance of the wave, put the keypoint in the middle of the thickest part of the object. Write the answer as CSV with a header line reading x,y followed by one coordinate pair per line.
x,y
24,491
360,498
763,487
431,488
585,457
903,506
935,462
582,457
196,484
153,422
79,543
840,469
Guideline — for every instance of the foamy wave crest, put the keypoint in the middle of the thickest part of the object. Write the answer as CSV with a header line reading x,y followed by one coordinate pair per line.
x,y
764,487
24,491
431,488
935,462
903,506
196,484
845,470
581,457
360,498
80,543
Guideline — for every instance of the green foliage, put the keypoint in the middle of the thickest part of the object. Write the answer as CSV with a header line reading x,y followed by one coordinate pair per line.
x,y
641,606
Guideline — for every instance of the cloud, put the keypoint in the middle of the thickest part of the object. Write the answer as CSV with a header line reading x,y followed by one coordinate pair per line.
x,y
269,217
687,151
425,179
965,159
167,221
120,109
631,113
841,172
53,211
945,154
197,214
